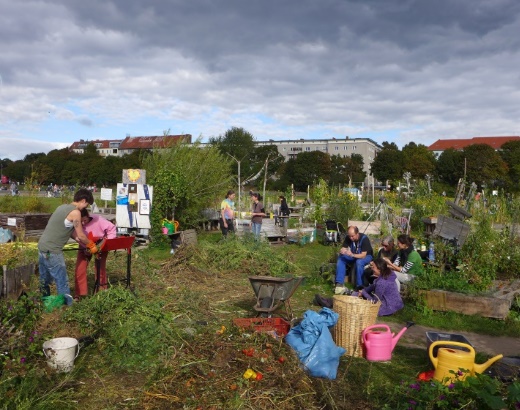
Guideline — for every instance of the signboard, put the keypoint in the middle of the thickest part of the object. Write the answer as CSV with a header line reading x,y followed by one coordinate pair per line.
x,y
106,194
11,221
134,176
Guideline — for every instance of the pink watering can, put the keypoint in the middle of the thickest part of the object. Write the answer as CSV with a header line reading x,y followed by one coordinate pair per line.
x,y
380,344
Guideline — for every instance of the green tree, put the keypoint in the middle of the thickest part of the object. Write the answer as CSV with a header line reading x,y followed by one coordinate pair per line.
x,y
338,170
355,168
346,169
510,153
18,170
259,156
241,145
57,160
484,165
450,166
388,164
418,160
307,168
186,180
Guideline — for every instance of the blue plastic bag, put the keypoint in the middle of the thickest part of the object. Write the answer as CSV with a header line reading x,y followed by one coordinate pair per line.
x,y
5,235
313,343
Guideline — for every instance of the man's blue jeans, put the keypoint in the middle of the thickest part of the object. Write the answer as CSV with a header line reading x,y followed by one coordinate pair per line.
x,y
344,261
255,228
52,268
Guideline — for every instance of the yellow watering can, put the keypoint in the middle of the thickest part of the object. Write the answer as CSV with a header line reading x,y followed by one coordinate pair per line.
x,y
454,359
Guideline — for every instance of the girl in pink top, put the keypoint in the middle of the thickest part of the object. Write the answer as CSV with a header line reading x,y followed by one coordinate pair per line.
x,y
97,227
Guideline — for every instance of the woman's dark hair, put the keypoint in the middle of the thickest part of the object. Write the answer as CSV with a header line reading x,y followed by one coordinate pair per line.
x,y
383,267
85,194
405,239
281,197
229,193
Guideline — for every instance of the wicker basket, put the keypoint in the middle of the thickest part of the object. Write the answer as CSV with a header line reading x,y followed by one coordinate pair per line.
x,y
355,314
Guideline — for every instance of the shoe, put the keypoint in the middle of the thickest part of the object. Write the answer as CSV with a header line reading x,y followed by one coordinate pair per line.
x,y
340,290
322,301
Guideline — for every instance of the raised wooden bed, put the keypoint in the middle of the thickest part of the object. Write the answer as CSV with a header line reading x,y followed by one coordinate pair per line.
x,y
16,280
486,306
30,226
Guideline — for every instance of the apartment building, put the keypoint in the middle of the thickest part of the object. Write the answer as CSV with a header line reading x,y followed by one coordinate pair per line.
x,y
365,147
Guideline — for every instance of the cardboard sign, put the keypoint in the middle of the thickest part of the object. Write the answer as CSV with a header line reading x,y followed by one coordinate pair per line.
x,y
106,194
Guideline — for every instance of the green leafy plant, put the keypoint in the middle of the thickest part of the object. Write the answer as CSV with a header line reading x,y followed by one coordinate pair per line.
x,y
343,206
134,333
477,392
320,196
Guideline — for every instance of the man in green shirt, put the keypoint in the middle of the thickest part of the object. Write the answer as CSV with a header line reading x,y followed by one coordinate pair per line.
x,y
64,223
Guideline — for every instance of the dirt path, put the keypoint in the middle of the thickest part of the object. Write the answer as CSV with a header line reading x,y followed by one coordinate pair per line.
x,y
416,336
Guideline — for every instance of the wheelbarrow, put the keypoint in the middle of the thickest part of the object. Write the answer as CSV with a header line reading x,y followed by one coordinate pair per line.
x,y
273,293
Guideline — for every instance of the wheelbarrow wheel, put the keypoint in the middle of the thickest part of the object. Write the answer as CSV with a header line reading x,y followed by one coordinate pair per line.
x,y
266,303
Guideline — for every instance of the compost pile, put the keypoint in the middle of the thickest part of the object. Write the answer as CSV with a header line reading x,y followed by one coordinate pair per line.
x,y
209,368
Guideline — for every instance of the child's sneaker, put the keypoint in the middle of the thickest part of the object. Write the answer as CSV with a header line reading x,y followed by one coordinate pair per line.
x,y
340,290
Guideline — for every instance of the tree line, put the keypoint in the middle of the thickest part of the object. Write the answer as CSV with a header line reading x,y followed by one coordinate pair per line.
x,y
478,163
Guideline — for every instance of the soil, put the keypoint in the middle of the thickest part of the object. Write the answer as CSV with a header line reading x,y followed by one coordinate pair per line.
x,y
415,336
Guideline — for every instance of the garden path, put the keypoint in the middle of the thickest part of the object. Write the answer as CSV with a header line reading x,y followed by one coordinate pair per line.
x,y
415,336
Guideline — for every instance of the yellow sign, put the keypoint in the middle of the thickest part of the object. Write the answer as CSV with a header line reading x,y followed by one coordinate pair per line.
x,y
133,174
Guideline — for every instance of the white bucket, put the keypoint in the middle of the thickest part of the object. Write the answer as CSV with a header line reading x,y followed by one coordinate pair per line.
x,y
61,352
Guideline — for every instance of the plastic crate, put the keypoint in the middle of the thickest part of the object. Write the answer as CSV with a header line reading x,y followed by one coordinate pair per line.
x,y
441,337
275,325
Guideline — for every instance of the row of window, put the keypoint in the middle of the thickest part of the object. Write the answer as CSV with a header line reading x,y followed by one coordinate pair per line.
x,y
299,149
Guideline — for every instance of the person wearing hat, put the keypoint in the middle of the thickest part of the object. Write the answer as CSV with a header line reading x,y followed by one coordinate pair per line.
x,y
257,214
97,227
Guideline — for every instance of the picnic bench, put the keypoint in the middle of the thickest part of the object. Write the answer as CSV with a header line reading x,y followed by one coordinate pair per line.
x,y
273,233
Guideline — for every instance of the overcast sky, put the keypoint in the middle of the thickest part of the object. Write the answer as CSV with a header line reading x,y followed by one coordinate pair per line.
x,y
390,70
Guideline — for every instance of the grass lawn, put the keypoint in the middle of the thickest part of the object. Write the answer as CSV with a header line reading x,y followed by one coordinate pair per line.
x,y
170,343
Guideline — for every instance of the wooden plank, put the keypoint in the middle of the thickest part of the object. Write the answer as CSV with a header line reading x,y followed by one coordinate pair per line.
x,y
445,301
450,228
15,280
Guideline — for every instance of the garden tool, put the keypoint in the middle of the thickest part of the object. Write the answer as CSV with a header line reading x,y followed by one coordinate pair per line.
x,y
380,344
459,362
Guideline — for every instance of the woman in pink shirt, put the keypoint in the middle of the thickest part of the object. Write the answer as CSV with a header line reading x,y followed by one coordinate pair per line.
x,y
97,227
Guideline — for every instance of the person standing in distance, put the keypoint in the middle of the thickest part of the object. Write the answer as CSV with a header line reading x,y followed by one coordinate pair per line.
x,y
227,213
257,214
64,223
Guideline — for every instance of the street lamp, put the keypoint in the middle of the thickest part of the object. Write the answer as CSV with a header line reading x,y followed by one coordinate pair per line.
x,y
239,190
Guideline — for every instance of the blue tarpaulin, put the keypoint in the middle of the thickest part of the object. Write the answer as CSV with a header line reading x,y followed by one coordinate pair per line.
x,y
312,341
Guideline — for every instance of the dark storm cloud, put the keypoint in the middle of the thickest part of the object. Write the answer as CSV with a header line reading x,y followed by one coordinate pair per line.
x,y
432,69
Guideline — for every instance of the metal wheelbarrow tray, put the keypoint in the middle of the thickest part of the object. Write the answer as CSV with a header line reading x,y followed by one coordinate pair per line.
x,y
271,293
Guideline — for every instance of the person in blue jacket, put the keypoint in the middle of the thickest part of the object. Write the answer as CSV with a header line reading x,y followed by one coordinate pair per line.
x,y
356,250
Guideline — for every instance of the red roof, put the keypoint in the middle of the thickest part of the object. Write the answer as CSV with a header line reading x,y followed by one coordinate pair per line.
x,y
495,142
153,142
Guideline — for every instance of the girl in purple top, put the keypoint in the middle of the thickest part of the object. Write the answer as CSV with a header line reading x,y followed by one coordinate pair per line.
x,y
384,287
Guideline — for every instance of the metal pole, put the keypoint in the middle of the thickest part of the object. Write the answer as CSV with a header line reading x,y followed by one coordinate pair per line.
x,y
239,190
265,178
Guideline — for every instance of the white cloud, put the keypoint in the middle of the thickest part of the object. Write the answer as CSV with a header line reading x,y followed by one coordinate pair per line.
x,y
406,71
